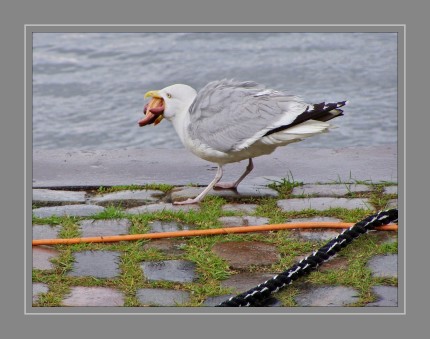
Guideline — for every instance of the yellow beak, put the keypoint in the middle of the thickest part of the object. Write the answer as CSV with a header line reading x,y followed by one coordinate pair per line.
x,y
153,94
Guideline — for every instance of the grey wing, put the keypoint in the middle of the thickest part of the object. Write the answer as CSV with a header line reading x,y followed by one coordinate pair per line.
x,y
228,115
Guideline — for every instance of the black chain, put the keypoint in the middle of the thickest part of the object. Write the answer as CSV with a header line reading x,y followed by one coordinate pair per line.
x,y
257,295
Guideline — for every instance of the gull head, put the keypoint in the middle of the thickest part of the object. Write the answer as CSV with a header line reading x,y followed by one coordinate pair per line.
x,y
168,103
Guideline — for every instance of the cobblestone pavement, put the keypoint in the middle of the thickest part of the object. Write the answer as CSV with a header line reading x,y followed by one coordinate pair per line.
x,y
165,274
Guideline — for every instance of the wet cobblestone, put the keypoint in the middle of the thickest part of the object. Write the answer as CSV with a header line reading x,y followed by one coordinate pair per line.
x,y
321,204
39,288
94,296
68,210
242,255
327,296
169,270
47,197
127,198
162,297
384,266
100,264
42,256
96,228
335,190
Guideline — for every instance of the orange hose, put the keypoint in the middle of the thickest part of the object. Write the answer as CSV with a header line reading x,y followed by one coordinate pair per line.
x,y
213,231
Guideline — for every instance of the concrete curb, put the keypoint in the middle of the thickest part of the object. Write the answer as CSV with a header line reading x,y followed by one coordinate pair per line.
x,y
60,168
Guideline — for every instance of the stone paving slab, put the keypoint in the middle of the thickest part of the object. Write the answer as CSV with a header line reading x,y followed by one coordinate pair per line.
x,y
170,270
45,232
38,289
243,221
387,296
53,168
68,210
331,190
162,297
316,234
384,266
213,301
100,264
167,226
128,198
390,189
42,256
245,208
243,191
96,228
243,254
335,263
327,296
167,246
244,281
386,237
392,204
94,296
321,204
47,197
162,207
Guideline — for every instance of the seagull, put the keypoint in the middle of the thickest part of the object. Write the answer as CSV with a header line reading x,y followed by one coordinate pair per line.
x,y
228,121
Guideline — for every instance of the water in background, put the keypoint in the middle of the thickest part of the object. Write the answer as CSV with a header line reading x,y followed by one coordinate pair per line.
x,y
88,87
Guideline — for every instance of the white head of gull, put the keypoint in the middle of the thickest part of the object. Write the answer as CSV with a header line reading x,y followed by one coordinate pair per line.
x,y
228,121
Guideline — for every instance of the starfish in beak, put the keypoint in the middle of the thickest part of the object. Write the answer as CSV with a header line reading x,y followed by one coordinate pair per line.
x,y
153,110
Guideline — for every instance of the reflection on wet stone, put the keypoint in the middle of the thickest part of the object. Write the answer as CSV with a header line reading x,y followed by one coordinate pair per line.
x,y
96,228
167,226
170,270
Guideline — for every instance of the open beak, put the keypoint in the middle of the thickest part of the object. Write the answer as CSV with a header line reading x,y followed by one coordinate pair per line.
x,y
153,110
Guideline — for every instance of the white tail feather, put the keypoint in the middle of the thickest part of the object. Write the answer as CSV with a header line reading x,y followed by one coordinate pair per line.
x,y
296,133
307,127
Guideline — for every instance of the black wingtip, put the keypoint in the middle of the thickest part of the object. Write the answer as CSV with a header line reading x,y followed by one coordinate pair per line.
x,y
321,112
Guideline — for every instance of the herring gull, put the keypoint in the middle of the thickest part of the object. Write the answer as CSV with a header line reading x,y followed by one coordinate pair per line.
x,y
228,121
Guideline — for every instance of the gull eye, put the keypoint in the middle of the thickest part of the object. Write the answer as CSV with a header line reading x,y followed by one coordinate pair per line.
x,y
169,95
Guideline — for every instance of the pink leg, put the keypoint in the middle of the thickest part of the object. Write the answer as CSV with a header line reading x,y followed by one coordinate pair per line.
x,y
200,197
233,185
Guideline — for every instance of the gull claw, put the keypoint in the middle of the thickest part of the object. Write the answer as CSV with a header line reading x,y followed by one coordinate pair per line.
x,y
225,186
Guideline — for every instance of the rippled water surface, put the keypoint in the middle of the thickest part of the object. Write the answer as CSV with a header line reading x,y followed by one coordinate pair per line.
x,y
88,87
